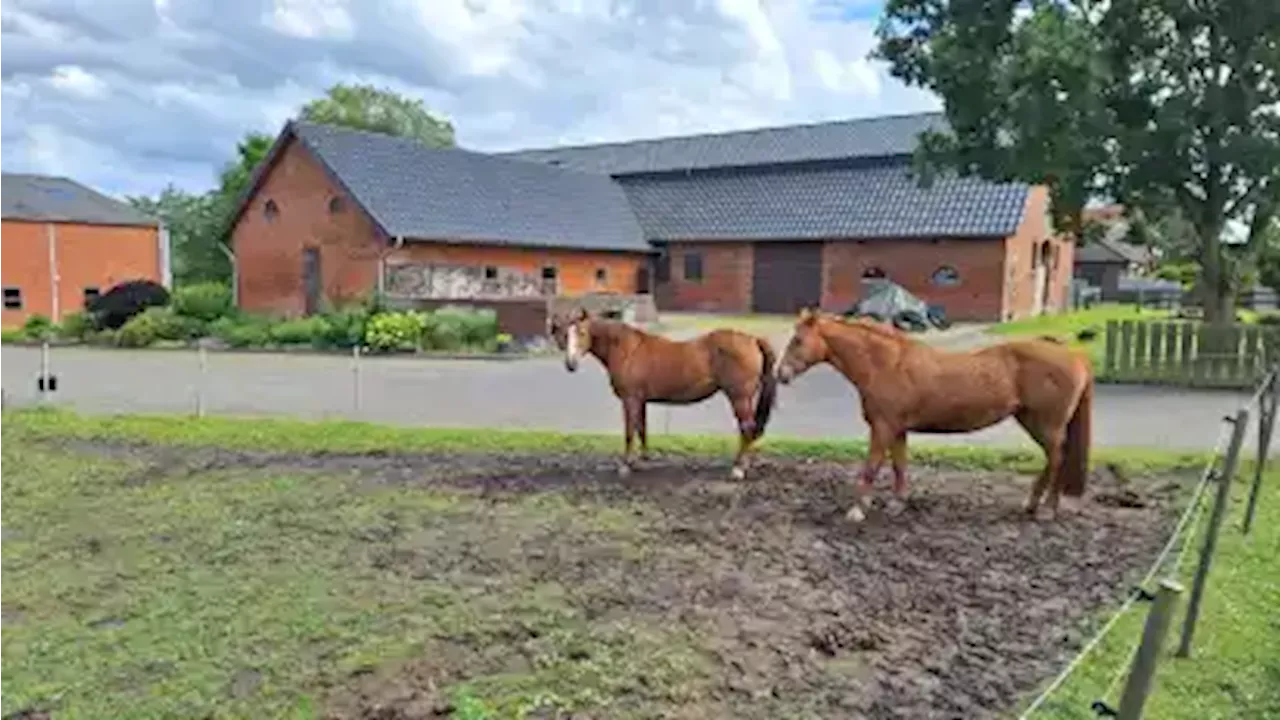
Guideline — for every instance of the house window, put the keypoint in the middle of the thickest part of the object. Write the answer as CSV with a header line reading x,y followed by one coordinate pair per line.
x,y
336,205
693,267
602,277
90,294
12,298
945,276
270,210
874,273
550,276
490,272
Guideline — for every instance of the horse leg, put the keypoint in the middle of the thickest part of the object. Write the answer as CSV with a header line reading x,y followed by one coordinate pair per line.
x,y
870,470
1051,443
898,453
631,409
643,429
745,415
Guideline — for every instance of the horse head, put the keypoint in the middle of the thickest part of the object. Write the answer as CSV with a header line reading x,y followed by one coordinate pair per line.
x,y
805,349
572,334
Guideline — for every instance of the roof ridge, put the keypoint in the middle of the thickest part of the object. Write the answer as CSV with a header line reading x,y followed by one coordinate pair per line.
x,y
724,133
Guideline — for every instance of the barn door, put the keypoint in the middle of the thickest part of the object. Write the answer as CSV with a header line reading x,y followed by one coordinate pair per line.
x,y
311,279
786,276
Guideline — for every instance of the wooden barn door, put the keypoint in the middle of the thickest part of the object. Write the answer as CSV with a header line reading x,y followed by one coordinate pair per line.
x,y
786,276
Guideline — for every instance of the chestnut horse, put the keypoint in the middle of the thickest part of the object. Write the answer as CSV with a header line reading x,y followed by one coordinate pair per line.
x,y
908,386
645,368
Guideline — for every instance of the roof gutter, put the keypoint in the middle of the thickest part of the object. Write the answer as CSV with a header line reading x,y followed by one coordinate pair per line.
x,y
397,242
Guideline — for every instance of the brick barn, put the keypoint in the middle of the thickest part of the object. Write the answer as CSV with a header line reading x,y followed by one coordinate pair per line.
x,y
773,219
65,243
764,220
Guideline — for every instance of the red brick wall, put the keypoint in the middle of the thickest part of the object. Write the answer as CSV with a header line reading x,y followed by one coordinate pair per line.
x,y
269,251
911,264
725,284
88,256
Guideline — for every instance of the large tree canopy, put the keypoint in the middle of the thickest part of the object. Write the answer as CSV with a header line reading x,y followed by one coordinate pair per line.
x,y
1164,105
198,223
365,107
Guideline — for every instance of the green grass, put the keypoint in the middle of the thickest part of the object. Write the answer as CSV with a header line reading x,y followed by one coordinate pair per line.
x,y
1234,668
1066,325
704,322
133,593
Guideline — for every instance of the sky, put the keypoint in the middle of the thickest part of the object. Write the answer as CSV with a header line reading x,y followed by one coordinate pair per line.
x,y
129,96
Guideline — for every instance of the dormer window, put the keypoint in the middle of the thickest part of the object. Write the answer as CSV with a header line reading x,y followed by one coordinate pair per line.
x,y
270,210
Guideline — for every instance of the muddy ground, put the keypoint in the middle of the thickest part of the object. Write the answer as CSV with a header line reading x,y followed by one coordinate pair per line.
x,y
956,608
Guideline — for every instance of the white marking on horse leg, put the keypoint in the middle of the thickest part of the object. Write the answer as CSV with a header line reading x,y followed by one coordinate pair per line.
x,y
895,506
738,473
856,513
624,470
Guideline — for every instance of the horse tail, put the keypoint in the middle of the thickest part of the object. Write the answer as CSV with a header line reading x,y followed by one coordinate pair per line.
x,y
768,389
1075,460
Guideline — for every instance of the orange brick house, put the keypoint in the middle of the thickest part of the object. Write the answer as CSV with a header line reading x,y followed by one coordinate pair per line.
x,y
333,214
65,243
764,220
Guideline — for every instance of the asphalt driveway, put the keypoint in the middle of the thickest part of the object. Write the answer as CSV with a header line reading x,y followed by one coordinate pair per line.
x,y
522,394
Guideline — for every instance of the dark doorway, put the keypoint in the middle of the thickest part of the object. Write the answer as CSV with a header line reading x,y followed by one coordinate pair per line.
x,y
311,279
642,280
786,276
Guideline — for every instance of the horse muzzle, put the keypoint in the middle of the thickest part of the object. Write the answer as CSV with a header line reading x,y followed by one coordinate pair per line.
x,y
784,375
571,365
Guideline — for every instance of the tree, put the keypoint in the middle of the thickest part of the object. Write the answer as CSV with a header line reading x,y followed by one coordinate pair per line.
x,y
364,107
195,225
1159,104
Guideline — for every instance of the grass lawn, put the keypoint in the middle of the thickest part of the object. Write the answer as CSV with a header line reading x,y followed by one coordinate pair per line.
x,y
767,325
136,592
1066,325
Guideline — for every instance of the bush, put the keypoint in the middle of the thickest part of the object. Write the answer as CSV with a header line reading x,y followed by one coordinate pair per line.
x,y
242,332
143,329
38,327
76,326
122,302
10,335
395,331
309,330
454,328
205,301
345,327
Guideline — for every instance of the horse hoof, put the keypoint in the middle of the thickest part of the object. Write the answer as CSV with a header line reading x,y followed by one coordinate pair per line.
x,y
895,506
624,471
738,473
856,514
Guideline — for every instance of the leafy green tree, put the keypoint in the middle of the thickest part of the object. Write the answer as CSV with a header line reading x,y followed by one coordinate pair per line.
x,y
364,107
1159,104
194,222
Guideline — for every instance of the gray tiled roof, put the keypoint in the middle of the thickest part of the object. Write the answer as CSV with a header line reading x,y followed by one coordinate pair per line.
x,y
862,138
418,192
42,198
785,203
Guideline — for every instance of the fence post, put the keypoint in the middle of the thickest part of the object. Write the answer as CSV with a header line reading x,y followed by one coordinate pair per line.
x,y
1240,424
202,361
44,383
1143,667
355,380
1266,426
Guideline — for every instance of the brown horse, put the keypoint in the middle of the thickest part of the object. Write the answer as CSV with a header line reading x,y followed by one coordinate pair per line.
x,y
645,368
908,386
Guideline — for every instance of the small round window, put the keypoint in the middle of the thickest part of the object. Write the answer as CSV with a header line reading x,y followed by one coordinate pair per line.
x,y
945,276
874,273
336,205
270,210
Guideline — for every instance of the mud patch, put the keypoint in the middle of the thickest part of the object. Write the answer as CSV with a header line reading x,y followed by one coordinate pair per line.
x,y
955,607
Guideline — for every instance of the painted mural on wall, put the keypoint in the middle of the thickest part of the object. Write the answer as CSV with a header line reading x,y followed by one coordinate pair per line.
x,y
431,280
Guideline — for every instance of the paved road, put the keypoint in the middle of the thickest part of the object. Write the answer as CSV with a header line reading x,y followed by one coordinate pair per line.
x,y
523,394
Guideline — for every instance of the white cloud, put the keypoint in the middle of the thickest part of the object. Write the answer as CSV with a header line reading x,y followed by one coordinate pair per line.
x,y
74,80
130,96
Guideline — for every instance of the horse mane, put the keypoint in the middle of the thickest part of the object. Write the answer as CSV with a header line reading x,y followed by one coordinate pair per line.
x,y
887,332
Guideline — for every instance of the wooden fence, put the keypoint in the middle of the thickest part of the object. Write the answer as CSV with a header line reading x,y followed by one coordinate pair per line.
x,y
1189,353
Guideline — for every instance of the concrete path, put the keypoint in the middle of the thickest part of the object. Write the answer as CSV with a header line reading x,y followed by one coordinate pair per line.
x,y
525,394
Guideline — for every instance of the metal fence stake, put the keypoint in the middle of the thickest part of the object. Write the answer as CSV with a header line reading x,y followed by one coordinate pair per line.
x,y
202,358
355,379
1220,501
1143,668
44,373
1266,427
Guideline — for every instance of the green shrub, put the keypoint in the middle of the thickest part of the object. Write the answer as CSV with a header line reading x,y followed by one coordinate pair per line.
x,y
76,326
1269,318
145,328
242,332
392,331
345,327
205,301
38,327
302,331
455,327
10,335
